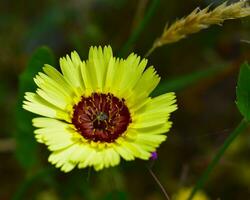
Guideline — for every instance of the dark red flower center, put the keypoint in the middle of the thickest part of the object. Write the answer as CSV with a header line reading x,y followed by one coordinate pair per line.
x,y
101,117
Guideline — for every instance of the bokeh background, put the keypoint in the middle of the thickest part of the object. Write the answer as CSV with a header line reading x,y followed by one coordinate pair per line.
x,y
202,69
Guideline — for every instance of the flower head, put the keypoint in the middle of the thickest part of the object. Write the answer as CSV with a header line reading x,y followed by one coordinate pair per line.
x,y
183,193
98,111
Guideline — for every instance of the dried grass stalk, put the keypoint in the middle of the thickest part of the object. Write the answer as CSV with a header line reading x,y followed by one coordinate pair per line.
x,y
199,20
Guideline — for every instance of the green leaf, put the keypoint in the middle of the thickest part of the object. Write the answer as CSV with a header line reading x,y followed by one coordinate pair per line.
x,y
181,82
243,91
26,147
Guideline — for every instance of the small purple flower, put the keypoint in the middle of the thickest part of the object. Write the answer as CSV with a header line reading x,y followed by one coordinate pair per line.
x,y
154,156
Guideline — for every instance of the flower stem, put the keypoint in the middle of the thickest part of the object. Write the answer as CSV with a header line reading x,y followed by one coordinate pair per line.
x,y
135,35
89,174
149,52
200,183
159,183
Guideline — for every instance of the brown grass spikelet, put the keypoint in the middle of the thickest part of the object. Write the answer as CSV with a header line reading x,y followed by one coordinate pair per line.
x,y
199,20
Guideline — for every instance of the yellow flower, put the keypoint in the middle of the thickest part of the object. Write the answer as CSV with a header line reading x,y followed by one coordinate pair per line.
x,y
184,193
99,110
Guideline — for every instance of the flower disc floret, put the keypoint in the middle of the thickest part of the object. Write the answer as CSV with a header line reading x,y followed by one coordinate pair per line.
x,y
101,117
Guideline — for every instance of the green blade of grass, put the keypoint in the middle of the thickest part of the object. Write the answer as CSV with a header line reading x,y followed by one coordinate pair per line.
x,y
243,94
135,35
204,177
181,82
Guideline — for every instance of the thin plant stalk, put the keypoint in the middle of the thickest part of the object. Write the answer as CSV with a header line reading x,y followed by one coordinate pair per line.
x,y
135,35
204,177
158,183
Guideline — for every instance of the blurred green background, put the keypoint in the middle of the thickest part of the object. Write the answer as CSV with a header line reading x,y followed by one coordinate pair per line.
x,y
202,69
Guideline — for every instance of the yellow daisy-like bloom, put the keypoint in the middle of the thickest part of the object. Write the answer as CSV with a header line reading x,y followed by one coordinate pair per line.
x,y
184,193
99,110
